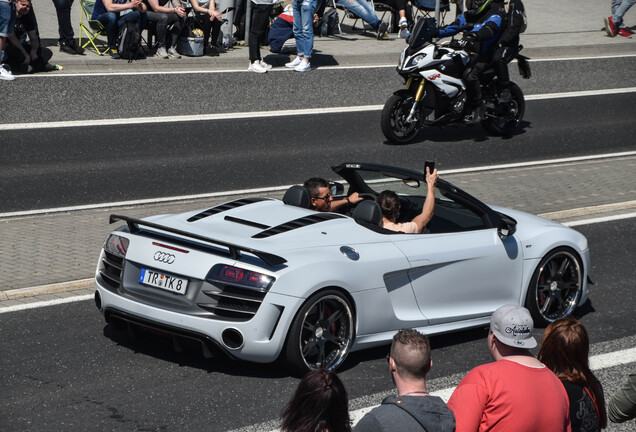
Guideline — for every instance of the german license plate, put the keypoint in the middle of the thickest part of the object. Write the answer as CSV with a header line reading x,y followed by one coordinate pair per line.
x,y
163,281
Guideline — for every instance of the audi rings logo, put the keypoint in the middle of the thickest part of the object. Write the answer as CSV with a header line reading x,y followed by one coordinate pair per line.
x,y
164,257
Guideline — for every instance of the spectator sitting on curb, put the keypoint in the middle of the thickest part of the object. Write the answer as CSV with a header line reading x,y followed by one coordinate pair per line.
x,y
364,10
23,56
165,13
210,20
113,14
7,24
614,24
414,409
516,392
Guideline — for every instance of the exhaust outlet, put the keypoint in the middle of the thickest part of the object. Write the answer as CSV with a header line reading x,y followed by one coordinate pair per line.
x,y
232,338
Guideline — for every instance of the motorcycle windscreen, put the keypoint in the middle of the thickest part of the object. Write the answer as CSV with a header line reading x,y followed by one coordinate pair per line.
x,y
423,32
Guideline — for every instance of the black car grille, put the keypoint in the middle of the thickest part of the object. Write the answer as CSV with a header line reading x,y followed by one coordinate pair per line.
x,y
230,302
111,272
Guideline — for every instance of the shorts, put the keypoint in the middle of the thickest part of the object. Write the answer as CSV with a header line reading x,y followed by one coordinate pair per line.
x,y
7,18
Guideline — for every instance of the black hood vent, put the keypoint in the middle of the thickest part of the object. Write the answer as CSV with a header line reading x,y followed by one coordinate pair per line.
x,y
224,207
297,223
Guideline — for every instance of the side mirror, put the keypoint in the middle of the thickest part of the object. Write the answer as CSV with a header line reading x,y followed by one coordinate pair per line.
x,y
506,227
336,189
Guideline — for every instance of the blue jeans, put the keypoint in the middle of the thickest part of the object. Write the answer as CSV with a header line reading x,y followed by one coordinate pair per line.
x,y
304,11
7,18
112,21
363,9
619,7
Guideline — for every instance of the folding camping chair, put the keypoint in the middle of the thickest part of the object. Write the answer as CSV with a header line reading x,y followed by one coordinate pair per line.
x,y
92,28
426,9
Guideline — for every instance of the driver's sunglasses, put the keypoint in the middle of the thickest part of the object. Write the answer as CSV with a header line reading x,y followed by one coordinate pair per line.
x,y
326,197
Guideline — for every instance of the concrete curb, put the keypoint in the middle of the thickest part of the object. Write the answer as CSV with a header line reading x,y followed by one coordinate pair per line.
x,y
47,289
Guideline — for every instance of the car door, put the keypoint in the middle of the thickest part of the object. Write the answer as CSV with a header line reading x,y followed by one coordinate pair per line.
x,y
463,269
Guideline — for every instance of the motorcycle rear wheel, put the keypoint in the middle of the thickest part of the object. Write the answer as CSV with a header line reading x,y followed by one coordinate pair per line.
x,y
393,120
512,113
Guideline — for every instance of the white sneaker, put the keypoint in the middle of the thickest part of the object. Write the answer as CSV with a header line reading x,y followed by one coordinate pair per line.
x,y
294,63
5,73
304,66
162,53
257,67
265,65
405,33
403,23
172,53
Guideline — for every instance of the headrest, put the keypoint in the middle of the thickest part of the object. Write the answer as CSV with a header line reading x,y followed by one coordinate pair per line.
x,y
297,196
368,211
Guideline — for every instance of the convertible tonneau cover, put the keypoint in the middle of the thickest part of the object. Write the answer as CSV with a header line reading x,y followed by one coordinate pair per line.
x,y
234,250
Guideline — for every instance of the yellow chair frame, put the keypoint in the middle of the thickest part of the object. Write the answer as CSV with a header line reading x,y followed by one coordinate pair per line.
x,y
92,28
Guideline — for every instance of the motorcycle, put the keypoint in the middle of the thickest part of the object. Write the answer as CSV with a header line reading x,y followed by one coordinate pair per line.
x,y
435,94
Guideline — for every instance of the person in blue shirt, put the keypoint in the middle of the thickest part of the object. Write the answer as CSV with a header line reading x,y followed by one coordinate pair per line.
x,y
481,25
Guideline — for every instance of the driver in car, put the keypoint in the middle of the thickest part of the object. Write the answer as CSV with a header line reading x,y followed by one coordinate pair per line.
x,y
390,204
321,198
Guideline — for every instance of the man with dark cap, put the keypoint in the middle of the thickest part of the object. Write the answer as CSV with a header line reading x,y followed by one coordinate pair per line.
x,y
516,392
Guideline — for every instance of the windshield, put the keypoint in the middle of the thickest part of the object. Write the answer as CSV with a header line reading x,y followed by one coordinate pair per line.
x,y
379,182
422,32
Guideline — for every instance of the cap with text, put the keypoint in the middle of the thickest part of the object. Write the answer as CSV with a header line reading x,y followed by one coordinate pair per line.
x,y
512,325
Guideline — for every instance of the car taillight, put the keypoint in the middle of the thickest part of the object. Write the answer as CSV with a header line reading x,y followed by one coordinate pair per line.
x,y
116,245
240,277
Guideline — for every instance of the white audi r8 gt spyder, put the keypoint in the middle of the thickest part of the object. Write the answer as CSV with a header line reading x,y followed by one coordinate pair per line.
x,y
264,279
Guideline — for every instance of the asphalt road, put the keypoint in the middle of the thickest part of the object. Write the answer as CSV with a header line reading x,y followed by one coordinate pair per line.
x,y
63,368
76,166
63,98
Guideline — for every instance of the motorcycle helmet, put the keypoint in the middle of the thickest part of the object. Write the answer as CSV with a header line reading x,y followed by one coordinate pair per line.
x,y
478,6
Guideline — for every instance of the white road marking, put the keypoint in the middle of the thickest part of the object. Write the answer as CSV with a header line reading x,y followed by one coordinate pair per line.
x,y
285,187
263,114
39,304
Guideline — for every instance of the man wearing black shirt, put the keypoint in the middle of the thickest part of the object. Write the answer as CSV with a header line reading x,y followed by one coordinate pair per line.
x,y
23,56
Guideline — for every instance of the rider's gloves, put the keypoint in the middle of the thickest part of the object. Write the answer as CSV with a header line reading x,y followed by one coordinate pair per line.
x,y
457,44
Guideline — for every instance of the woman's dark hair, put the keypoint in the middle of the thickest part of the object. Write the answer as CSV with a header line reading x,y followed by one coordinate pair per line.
x,y
565,349
319,404
389,203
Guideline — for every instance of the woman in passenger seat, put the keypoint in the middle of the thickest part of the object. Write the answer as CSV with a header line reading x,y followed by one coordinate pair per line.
x,y
390,204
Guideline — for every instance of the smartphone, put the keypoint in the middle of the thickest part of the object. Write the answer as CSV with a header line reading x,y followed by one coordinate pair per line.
x,y
430,165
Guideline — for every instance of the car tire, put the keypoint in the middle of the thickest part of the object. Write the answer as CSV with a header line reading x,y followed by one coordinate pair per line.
x,y
556,286
321,334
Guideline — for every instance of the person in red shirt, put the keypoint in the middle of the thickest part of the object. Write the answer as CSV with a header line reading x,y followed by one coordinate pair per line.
x,y
516,392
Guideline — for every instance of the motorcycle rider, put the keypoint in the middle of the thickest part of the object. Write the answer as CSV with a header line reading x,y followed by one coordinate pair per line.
x,y
514,23
482,25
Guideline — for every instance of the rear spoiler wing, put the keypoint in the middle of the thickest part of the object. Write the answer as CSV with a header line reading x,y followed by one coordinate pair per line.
x,y
234,250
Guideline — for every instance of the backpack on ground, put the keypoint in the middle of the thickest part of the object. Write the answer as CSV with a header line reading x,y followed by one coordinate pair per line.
x,y
129,41
328,23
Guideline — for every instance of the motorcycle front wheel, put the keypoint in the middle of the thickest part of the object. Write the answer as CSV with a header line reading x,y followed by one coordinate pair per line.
x,y
508,114
394,114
